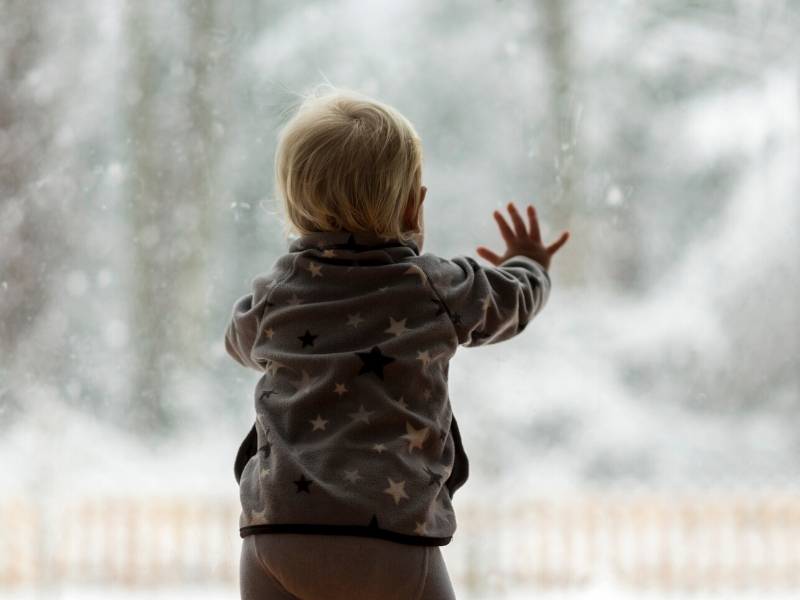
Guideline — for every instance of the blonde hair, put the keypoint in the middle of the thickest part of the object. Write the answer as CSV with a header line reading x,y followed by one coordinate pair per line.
x,y
346,162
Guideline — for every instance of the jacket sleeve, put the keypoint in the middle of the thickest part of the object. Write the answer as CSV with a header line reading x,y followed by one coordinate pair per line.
x,y
243,327
490,304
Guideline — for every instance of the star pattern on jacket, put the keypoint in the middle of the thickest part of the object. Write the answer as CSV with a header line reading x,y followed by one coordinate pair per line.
x,y
307,338
415,437
435,478
354,320
396,490
303,484
414,270
322,381
361,414
396,328
318,423
425,357
374,361
352,476
439,306
315,269
265,395
265,450
258,516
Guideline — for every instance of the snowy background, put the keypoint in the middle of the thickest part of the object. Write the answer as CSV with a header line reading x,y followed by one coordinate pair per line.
x,y
137,203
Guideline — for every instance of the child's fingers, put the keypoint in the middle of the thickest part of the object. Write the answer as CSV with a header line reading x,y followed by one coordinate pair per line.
x,y
553,248
505,230
488,255
519,226
536,235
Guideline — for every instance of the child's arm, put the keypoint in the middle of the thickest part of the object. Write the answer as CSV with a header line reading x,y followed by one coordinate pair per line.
x,y
492,304
243,329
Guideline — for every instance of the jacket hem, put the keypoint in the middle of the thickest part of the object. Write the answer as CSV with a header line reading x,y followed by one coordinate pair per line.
x,y
356,530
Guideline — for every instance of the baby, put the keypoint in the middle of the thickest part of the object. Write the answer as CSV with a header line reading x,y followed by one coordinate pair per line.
x,y
355,445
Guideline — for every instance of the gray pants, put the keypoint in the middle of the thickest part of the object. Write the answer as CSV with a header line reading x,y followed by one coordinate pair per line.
x,y
301,566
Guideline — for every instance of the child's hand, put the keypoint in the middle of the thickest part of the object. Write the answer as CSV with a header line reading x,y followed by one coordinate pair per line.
x,y
520,241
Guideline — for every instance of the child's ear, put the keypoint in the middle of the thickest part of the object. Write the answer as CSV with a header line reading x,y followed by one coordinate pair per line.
x,y
411,217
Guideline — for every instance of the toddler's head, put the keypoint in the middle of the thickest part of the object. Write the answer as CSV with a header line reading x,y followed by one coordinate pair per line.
x,y
346,162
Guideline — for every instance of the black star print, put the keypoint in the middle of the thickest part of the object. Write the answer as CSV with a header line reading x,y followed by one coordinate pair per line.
x,y
351,245
439,305
373,522
374,361
270,304
265,450
266,394
456,319
307,338
435,477
302,484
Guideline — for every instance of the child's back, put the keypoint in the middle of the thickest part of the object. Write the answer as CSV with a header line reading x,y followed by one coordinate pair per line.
x,y
353,330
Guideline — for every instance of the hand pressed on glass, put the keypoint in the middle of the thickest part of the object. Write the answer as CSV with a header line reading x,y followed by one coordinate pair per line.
x,y
520,241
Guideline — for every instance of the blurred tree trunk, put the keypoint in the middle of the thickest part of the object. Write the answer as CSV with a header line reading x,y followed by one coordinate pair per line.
x,y
152,308
32,235
175,131
203,140
567,205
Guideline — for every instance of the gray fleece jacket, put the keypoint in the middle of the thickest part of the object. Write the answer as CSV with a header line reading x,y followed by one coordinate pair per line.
x,y
354,431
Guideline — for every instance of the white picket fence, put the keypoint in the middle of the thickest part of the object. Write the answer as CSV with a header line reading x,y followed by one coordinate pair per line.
x,y
706,542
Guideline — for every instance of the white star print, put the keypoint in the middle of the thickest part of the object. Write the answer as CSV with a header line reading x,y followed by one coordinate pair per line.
x,y
269,332
426,394
415,437
319,423
260,516
384,288
264,471
294,300
378,448
340,389
361,414
396,490
443,510
425,357
412,270
315,269
354,320
402,402
396,327
352,476
420,528
328,253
